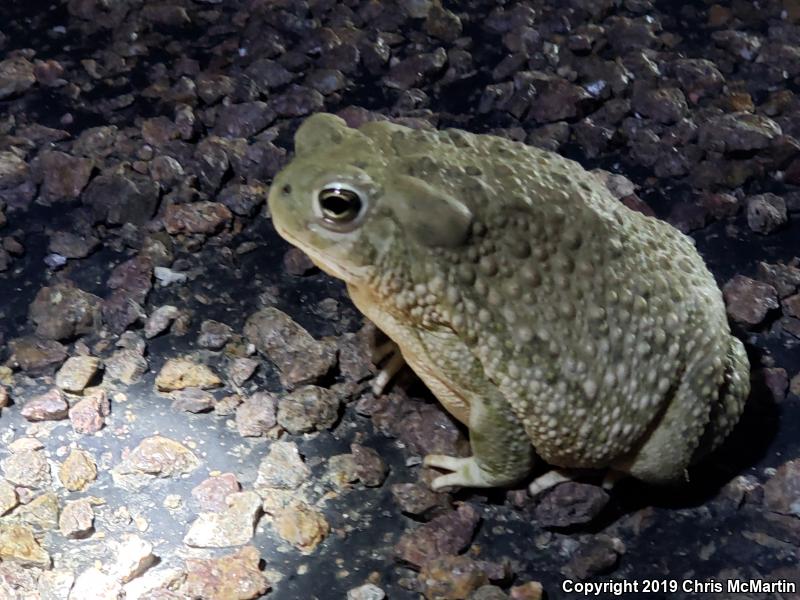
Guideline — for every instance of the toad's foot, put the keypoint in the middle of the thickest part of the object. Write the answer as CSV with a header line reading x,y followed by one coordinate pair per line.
x,y
548,480
466,472
390,369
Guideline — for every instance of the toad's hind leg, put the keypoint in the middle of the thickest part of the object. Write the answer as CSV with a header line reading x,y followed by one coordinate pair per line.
x,y
666,453
735,390
502,452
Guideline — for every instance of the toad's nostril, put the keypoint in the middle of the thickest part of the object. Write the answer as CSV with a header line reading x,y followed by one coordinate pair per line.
x,y
287,189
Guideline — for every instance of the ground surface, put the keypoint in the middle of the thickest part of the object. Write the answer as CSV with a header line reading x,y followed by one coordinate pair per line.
x,y
137,143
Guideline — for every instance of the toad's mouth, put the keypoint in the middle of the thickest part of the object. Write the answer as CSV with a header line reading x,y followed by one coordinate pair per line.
x,y
349,274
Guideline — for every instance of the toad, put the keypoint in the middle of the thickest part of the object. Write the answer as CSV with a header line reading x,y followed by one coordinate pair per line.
x,y
546,316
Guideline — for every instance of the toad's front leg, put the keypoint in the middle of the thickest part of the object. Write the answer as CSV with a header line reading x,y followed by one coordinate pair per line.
x,y
501,451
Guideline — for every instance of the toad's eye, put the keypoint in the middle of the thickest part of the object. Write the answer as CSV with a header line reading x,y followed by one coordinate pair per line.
x,y
339,206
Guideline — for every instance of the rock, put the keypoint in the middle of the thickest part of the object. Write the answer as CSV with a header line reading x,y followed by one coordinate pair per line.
x,y
445,535
16,76
170,15
119,198
233,577
77,372
63,176
62,312
93,583
748,301
297,263
212,161
792,173
55,584
342,470
299,357
8,497
196,217
166,171
72,245
77,519
453,577
326,81
489,592
193,400
368,591
167,276
243,200
777,382
160,320
782,490
627,35
302,526
156,584
14,171
371,470
160,131
570,504
243,120
25,444
282,468
791,326
267,74
27,468
557,99
41,513
210,494
77,471
53,261
214,335
442,23
784,278
785,58
308,408
134,557
416,9
231,527
120,311
298,101
242,369
791,305
155,456
794,385
355,354
721,205
49,406
227,405
416,70
427,429
212,87
18,545
698,77
415,498
256,416
532,590
688,216
596,556
766,213
178,374
737,132
131,281
126,366
662,104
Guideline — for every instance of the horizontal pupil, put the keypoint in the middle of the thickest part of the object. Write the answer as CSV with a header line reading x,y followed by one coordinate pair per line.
x,y
338,204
